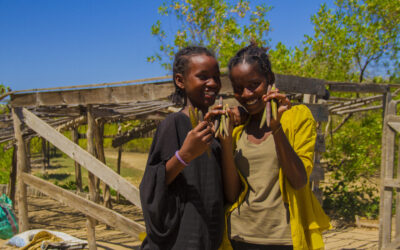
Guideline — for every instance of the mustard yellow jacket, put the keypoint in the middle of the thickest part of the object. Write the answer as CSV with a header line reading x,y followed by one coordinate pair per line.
x,y
307,219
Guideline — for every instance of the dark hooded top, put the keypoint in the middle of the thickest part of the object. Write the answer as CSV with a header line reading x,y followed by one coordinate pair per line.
x,y
188,213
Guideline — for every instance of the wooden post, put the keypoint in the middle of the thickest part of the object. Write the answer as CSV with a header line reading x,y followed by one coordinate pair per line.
x,y
28,154
23,222
13,177
44,155
91,223
98,136
119,167
78,171
386,195
48,153
119,157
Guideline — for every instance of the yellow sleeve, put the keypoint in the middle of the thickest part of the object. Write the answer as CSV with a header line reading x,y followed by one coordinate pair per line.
x,y
300,128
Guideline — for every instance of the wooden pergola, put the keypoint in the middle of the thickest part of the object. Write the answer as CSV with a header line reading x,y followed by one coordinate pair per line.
x,y
48,112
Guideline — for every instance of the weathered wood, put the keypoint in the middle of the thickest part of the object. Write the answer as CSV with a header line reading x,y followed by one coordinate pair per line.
x,y
391,183
78,170
132,134
43,155
72,124
318,173
386,194
359,110
110,95
93,192
23,222
358,87
297,84
356,101
319,111
84,206
320,143
85,159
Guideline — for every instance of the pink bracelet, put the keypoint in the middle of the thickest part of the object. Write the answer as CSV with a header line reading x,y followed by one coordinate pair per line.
x,y
180,159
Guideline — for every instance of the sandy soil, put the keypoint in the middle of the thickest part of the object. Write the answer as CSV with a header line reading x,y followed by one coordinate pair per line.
x,y
49,214
129,159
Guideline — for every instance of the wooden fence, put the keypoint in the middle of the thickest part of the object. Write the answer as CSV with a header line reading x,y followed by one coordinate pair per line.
x,y
99,104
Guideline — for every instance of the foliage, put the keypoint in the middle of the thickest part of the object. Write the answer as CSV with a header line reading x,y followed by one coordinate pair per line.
x,y
216,24
353,155
347,41
5,163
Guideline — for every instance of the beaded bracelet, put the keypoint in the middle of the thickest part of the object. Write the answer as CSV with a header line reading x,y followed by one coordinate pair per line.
x,y
180,159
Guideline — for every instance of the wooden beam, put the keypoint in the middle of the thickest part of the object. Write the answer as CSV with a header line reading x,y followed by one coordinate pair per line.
x,y
109,95
86,207
132,134
23,222
85,159
297,84
391,183
319,111
320,143
148,91
358,87
93,192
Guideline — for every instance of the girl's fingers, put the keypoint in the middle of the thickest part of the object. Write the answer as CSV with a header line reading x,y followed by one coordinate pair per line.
x,y
213,113
201,126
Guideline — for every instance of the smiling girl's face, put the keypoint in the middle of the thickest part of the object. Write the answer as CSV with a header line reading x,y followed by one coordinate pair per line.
x,y
249,85
201,82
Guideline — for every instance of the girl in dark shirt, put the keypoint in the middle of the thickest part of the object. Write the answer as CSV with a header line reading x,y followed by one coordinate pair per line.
x,y
181,190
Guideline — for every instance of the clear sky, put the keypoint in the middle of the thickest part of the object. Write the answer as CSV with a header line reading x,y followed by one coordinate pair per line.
x,y
52,43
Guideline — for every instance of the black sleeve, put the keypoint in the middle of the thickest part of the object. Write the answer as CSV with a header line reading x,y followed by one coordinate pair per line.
x,y
161,204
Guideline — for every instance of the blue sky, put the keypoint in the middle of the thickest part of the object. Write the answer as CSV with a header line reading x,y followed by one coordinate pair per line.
x,y
52,43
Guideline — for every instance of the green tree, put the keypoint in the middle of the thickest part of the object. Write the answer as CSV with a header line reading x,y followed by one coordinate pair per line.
x,y
347,41
216,24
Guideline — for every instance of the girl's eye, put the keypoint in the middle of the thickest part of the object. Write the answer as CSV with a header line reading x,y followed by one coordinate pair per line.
x,y
203,77
254,85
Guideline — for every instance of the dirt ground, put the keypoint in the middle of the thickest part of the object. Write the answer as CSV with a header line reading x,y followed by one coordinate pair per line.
x,y
45,213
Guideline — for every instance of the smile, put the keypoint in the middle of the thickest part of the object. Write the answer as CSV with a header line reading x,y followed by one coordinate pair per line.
x,y
251,102
210,93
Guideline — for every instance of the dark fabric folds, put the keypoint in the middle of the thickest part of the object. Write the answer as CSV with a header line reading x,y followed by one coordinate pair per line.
x,y
188,213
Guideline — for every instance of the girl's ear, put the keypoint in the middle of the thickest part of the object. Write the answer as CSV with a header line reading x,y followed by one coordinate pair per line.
x,y
179,81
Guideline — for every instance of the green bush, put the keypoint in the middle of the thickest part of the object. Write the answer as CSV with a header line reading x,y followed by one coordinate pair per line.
x,y
354,157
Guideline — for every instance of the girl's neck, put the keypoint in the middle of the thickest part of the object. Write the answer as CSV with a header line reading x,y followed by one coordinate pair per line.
x,y
253,127
185,110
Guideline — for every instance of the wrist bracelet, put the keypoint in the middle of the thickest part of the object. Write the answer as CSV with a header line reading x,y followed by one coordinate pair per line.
x,y
180,159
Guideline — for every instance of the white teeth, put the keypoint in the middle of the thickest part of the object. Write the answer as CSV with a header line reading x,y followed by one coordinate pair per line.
x,y
210,93
251,102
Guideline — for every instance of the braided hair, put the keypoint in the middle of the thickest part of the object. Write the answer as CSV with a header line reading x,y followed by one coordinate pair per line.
x,y
254,54
180,66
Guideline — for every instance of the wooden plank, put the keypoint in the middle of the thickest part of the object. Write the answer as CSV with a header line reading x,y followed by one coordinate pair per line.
x,y
358,87
119,140
86,207
386,195
23,222
297,84
319,111
85,159
148,91
110,95
318,173
395,126
320,143
391,183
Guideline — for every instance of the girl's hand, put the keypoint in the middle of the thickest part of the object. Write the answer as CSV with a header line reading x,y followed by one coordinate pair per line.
x,y
283,104
227,139
196,142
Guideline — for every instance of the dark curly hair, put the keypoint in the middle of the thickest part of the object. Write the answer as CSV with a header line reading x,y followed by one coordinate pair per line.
x,y
180,66
254,54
